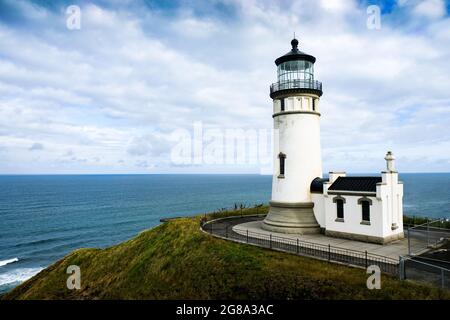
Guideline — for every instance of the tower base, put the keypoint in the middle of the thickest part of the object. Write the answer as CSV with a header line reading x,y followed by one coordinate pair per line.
x,y
291,217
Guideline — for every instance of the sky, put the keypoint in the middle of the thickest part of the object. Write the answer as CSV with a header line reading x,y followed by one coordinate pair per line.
x,y
129,86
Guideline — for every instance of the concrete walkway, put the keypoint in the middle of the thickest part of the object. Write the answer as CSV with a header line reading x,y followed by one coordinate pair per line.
x,y
392,250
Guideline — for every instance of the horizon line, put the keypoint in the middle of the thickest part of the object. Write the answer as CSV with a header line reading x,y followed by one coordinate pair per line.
x,y
198,173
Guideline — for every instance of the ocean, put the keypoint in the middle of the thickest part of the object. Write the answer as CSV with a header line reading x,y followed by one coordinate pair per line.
x,y
44,217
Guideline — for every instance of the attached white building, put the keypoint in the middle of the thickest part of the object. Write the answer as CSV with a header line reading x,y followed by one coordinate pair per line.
x,y
359,208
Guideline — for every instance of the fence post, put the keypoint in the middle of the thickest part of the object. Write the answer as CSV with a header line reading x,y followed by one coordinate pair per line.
x,y
428,232
329,252
270,241
226,231
401,268
367,264
211,223
409,241
247,235
298,249
443,279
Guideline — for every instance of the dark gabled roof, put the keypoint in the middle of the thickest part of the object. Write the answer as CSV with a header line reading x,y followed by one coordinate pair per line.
x,y
295,54
317,185
368,184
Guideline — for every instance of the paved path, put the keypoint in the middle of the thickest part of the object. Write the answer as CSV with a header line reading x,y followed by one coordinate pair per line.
x,y
392,250
239,225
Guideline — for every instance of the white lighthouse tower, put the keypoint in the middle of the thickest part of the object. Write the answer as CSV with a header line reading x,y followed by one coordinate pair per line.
x,y
297,153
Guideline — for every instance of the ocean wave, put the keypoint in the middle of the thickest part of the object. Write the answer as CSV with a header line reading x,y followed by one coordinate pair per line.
x,y
18,275
5,262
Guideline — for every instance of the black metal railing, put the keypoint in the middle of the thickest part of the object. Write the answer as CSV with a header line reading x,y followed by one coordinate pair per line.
x,y
300,247
296,84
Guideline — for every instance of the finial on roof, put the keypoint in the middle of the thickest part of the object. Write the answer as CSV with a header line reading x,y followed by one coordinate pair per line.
x,y
294,44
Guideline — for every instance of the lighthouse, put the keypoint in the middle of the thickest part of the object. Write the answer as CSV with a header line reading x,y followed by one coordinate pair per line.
x,y
362,208
297,152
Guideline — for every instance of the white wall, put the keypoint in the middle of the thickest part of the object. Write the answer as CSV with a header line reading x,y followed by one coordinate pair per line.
x,y
319,208
297,102
390,192
353,216
298,137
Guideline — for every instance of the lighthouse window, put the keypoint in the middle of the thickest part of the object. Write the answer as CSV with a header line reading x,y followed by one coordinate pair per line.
x,y
291,71
282,104
314,104
282,157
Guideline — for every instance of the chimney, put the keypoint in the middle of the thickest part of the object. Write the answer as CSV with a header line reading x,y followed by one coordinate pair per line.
x,y
390,161
333,175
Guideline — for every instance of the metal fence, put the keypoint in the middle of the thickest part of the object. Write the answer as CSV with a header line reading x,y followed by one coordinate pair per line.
x,y
300,247
424,270
426,236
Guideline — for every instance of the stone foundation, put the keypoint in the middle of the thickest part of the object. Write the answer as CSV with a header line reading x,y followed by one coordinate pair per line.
x,y
364,238
291,217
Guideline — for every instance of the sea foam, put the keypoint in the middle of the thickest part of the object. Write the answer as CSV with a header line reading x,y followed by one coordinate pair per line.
x,y
5,262
18,275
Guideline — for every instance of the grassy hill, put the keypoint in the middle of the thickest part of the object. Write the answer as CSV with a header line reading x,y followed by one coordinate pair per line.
x,y
177,261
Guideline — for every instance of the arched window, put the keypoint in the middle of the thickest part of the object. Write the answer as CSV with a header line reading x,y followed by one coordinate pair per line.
x,y
365,208
339,208
282,158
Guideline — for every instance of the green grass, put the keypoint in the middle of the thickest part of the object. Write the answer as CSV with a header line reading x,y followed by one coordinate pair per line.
x,y
177,261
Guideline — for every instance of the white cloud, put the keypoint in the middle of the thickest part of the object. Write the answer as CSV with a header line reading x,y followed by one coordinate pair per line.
x,y
191,26
112,92
430,9
36,146
338,5
96,16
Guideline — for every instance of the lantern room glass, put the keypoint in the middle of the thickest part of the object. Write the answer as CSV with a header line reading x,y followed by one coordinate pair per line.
x,y
295,70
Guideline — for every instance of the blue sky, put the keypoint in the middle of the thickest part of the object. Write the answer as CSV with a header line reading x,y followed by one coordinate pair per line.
x,y
108,98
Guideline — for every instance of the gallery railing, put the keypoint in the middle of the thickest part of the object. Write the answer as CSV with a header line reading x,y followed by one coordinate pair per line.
x,y
296,84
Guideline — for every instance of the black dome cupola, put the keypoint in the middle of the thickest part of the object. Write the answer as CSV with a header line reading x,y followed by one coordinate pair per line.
x,y
295,54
